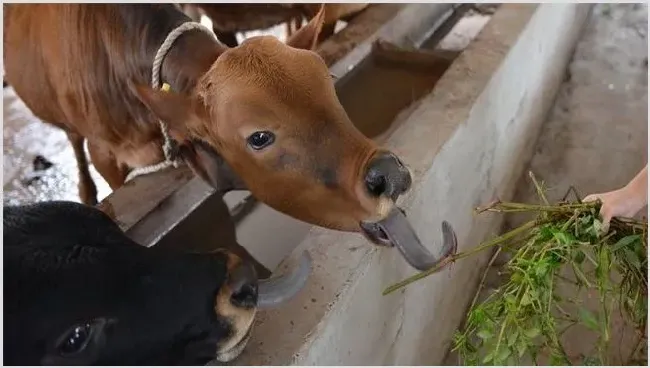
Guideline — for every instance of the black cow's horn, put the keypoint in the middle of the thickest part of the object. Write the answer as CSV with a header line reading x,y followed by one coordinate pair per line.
x,y
402,235
277,290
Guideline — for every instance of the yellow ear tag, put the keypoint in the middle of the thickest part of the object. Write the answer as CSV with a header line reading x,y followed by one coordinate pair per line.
x,y
165,87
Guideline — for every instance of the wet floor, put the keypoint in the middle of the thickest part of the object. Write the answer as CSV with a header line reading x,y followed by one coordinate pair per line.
x,y
26,137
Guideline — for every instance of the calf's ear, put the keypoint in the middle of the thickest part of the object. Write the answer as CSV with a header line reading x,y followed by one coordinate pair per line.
x,y
307,37
177,110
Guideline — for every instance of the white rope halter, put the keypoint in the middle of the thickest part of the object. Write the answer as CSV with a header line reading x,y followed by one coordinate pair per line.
x,y
170,145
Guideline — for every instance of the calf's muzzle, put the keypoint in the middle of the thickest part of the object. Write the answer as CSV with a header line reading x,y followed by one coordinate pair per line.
x,y
386,177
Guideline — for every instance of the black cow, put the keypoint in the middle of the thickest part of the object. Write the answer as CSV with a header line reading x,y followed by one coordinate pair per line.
x,y
77,291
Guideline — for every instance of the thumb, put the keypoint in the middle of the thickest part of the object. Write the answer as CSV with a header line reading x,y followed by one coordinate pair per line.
x,y
606,216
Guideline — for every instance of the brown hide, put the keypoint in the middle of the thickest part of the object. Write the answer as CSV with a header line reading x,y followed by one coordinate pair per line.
x,y
228,19
86,68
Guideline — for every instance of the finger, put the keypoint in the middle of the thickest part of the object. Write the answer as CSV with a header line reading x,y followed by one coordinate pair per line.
x,y
604,228
606,217
591,198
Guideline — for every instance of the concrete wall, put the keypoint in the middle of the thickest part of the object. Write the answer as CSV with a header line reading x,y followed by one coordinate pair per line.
x,y
466,143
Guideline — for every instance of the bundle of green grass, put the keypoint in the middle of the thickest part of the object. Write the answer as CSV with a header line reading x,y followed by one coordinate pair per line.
x,y
526,317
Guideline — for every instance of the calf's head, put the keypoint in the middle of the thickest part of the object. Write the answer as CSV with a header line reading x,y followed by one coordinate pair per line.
x,y
271,112
88,295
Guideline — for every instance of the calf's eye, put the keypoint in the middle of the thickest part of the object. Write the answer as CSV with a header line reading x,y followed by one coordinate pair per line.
x,y
259,140
76,340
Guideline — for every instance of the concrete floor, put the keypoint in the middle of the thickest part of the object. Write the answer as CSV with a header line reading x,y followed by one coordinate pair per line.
x,y
596,135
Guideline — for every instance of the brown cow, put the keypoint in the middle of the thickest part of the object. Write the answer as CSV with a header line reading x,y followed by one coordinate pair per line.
x,y
228,19
268,108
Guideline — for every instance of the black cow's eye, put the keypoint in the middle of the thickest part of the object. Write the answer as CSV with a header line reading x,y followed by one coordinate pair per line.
x,y
76,340
259,140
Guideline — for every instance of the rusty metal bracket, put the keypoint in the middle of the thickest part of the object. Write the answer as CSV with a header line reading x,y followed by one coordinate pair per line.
x,y
385,52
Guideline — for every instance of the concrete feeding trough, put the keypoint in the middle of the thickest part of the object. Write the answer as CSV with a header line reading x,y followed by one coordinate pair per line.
x,y
464,123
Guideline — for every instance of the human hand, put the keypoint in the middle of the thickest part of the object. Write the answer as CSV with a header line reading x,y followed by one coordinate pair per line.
x,y
622,202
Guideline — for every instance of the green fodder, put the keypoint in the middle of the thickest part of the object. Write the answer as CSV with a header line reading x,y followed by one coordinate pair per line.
x,y
528,315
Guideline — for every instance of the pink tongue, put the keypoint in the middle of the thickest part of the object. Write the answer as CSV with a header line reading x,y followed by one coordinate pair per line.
x,y
399,231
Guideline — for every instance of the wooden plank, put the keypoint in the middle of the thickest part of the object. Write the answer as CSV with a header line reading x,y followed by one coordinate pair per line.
x,y
137,198
362,26
195,218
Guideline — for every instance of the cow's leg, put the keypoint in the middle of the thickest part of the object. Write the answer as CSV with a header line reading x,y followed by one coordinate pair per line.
x,y
288,28
87,188
227,38
293,25
191,11
326,32
107,166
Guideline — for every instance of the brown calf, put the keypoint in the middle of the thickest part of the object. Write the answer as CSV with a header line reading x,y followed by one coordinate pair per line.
x,y
268,109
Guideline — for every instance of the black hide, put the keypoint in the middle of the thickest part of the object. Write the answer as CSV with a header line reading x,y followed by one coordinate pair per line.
x,y
67,265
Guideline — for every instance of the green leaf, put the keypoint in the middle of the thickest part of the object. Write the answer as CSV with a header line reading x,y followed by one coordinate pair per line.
x,y
597,227
557,360
625,242
484,334
488,358
512,338
591,361
471,360
525,300
503,355
563,237
533,332
588,319
602,269
545,234
477,316
631,257
541,270
522,347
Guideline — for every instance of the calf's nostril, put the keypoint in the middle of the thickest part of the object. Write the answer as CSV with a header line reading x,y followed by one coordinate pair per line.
x,y
386,175
246,296
375,183
243,285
